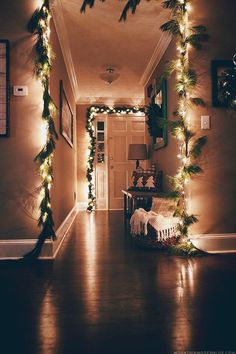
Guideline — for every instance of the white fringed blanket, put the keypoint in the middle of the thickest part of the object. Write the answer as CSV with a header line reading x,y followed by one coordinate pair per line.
x,y
166,227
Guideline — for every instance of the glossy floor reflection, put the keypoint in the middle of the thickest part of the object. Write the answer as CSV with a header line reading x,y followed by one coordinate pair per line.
x,y
104,295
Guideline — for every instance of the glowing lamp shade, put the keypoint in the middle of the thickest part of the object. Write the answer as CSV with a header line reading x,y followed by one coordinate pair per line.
x,y
137,152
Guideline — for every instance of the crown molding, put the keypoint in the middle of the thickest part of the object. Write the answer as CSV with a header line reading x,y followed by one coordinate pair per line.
x,y
59,21
158,53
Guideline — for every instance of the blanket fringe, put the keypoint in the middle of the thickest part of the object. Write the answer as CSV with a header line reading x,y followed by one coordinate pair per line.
x,y
166,227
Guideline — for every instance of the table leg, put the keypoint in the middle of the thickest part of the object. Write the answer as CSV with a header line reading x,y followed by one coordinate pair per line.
x,y
125,206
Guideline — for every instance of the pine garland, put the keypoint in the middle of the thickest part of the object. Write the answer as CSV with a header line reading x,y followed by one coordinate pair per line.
x,y
130,5
186,79
39,26
91,114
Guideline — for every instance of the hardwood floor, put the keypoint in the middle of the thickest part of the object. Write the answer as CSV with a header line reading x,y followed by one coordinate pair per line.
x,y
104,295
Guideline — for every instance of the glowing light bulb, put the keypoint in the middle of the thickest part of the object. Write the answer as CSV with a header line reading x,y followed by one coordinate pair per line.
x,y
45,217
39,3
188,7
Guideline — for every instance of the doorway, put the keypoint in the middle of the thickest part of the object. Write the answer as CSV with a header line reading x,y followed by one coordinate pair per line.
x,y
113,170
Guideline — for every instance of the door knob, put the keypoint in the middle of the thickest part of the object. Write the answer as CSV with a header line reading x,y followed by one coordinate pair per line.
x,y
112,167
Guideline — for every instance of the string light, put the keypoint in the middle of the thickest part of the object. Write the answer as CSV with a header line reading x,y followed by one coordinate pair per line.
x,y
185,81
39,25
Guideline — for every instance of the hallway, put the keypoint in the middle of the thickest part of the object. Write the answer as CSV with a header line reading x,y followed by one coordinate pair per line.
x,y
104,295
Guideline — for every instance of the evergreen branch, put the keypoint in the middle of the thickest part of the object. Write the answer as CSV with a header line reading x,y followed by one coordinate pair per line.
x,y
176,127
171,26
195,40
34,21
197,147
51,128
169,4
174,124
191,169
131,4
189,220
198,29
86,3
188,134
169,69
197,101
185,249
46,151
190,78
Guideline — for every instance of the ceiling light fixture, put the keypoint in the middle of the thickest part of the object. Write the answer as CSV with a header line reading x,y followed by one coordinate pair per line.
x,y
110,75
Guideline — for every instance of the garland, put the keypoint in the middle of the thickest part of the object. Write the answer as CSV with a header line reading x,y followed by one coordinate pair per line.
x,y
39,26
186,79
91,113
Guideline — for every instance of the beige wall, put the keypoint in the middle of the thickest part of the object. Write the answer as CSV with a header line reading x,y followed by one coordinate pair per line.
x,y
64,191
213,194
18,172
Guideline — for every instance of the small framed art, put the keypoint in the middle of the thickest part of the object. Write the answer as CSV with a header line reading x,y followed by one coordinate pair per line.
x,y
4,88
217,68
66,117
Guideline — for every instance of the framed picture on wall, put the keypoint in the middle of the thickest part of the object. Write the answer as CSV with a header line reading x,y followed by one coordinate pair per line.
x,y
217,68
4,88
157,114
66,117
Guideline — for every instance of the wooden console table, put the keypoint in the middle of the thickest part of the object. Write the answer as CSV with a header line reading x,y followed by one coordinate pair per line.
x,y
138,199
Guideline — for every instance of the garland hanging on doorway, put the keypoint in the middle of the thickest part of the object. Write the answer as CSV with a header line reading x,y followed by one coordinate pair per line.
x,y
39,26
92,111
186,79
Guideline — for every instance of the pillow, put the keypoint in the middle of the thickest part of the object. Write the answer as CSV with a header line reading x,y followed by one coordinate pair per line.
x,y
163,206
147,180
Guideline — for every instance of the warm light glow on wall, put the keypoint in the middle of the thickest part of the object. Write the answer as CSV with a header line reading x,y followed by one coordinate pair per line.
x,y
38,3
43,133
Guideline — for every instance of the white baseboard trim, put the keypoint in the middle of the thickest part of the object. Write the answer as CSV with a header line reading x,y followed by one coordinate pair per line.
x,y
15,249
63,230
215,243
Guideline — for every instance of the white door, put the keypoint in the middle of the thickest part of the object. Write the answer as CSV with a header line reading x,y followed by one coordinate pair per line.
x,y
122,131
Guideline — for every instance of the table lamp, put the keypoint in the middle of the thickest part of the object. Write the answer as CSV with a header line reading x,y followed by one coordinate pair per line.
x,y
137,152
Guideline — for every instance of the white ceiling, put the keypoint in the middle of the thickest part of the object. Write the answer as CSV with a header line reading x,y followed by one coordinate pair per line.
x,y
93,41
